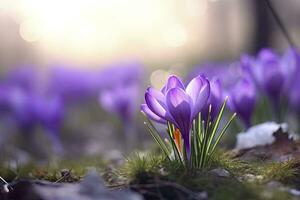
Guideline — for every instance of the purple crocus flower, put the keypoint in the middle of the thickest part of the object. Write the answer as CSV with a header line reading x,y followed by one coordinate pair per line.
x,y
291,68
49,113
119,94
242,100
227,73
267,72
27,109
24,77
295,95
115,100
178,104
74,85
216,98
21,107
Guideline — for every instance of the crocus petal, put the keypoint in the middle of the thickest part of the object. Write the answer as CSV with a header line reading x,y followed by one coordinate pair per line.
x,y
155,106
179,105
202,98
267,54
216,97
194,87
174,82
145,109
158,95
274,78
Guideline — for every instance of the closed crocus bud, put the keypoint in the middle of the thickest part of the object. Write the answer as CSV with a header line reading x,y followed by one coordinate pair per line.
x,y
242,100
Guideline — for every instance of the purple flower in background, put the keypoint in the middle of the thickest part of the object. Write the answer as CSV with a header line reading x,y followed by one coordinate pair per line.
x,y
242,99
178,104
27,109
74,85
24,77
295,95
227,73
267,71
291,67
292,61
49,113
121,100
125,72
216,99
120,89
21,107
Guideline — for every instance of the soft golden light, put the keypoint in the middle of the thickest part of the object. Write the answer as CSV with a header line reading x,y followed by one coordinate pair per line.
x,y
159,77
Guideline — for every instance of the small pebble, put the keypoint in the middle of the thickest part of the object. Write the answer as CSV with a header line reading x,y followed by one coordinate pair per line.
x,y
220,172
295,192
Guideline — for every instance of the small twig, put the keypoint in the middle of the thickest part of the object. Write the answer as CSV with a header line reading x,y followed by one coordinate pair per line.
x,y
280,24
6,185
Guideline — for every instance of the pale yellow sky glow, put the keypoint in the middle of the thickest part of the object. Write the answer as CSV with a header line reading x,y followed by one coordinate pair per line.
x,y
102,30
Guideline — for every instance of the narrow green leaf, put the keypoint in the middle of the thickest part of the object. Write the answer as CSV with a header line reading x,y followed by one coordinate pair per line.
x,y
221,134
154,133
216,125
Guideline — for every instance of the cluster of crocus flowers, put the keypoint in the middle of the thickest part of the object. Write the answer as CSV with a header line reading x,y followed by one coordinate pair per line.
x,y
27,107
267,82
192,140
274,76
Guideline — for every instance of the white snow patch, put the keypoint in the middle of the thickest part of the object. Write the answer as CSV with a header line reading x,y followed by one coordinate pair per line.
x,y
260,135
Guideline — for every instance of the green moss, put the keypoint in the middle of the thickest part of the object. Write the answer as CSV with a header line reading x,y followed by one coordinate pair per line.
x,y
139,167
51,171
153,175
284,172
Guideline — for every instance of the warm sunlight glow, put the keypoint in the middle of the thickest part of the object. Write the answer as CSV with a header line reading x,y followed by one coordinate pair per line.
x,y
100,27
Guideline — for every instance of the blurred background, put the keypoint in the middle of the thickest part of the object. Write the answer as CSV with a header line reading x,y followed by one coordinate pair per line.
x,y
76,70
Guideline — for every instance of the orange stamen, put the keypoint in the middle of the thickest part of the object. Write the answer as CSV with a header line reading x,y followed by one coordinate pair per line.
x,y
177,138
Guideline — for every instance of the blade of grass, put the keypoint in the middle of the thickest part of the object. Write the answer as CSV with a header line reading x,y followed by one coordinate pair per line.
x,y
158,139
217,123
221,134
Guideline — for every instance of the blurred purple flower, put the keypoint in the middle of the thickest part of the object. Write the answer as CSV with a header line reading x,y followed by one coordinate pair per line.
x,y
24,77
242,99
178,104
74,85
121,100
295,96
227,73
292,61
216,99
120,89
19,103
125,72
291,67
267,71
28,109
49,113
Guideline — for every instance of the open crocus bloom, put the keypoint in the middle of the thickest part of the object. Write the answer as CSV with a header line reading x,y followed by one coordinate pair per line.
x,y
177,104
